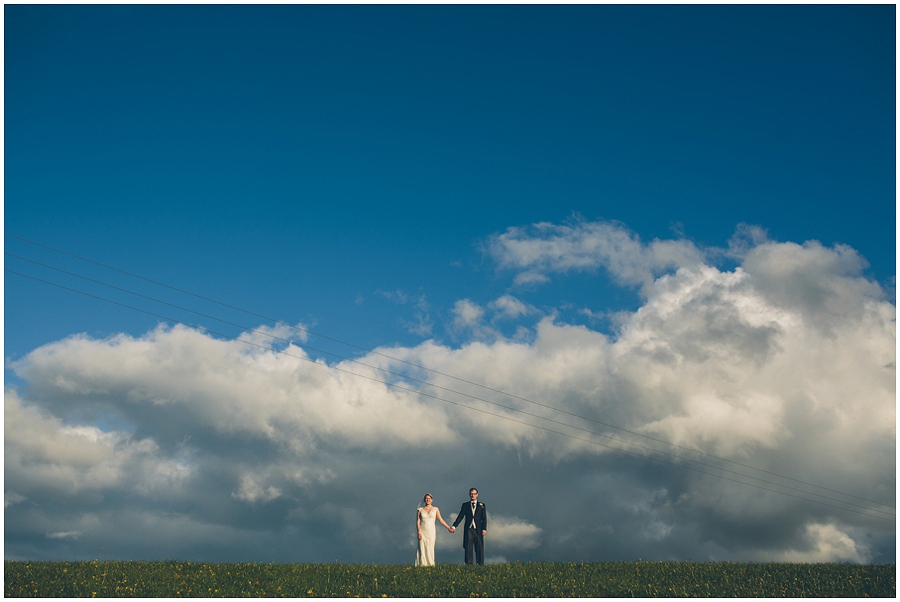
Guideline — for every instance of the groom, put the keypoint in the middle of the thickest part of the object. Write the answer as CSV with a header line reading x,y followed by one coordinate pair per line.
x,y
475,515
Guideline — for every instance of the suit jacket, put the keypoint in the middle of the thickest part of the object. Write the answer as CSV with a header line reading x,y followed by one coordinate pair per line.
x,y
465,517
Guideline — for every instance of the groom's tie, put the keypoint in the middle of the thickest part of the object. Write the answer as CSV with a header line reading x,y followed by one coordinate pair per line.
x,y
473,515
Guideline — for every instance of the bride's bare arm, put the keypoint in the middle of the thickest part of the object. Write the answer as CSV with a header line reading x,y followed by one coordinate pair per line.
x,y
441,518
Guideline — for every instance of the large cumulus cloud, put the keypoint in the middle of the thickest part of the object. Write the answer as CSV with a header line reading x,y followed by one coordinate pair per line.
x,y
678,428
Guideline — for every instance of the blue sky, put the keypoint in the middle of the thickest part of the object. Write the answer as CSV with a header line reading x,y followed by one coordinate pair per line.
x,y
456,184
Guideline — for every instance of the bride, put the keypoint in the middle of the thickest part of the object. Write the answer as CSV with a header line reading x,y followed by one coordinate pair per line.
x,y
425,516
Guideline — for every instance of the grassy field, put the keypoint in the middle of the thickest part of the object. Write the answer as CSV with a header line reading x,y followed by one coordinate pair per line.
x,y
533,579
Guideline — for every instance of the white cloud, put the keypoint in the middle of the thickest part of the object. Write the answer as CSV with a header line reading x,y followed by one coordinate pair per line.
x,y
785,363
513,533
545,248
44,455
277,336
469,319
467,314
505,534
11,497
530,277
64,535
228,387
252,491
827,543
508,307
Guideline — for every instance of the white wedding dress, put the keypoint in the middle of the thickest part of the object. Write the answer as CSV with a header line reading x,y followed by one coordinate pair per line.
x,y
425,553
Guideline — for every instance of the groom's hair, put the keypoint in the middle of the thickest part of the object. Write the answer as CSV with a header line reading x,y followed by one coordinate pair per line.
x,y
473,489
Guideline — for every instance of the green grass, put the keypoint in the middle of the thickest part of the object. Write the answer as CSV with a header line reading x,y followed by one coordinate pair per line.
x,y
531,579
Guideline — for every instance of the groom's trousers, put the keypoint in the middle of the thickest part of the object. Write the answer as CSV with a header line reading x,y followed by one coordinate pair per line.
x,y
475,542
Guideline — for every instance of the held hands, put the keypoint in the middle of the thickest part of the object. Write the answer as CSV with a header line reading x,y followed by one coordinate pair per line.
x,y
451,529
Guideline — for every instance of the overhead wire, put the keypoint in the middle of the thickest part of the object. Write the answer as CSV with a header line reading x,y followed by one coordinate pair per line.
x,y
438,372
421,393
410,378
887,516
431,384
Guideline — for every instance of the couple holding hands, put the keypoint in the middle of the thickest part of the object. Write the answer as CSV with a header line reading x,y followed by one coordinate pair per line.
x,y
472,512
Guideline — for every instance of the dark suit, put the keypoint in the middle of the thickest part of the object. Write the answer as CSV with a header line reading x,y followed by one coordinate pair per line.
x,y
473,538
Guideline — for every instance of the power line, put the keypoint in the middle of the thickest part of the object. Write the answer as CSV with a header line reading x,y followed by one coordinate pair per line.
x,y
418,392
429,384
431,370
